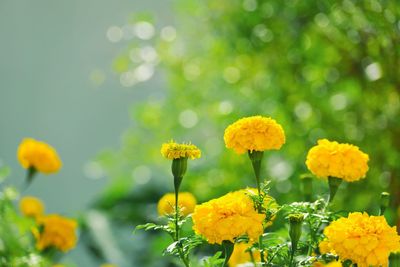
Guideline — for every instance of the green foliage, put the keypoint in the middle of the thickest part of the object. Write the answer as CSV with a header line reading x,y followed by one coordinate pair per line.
x,y
180,247
213,261
16,241
322,69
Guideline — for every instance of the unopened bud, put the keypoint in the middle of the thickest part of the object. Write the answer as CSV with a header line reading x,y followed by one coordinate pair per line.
x,y
385,200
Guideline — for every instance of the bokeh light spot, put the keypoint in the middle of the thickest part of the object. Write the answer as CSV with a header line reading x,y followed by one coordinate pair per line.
x,y
225,107
114,34
339,101
231,75
373,71
188,118
303,110
93,170
141,174
168,33
144,30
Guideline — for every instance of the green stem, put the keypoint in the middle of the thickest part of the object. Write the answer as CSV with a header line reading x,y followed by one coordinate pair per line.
x,y
262,257
292,251
252,258
176,216
30,174
228,248
177,184
334,184
184,260
256,159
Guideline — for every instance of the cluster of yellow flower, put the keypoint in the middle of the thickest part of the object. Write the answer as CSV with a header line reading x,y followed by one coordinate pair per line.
x,y
173,150
227,218
255,133
38,155
365,240
342,161
52,230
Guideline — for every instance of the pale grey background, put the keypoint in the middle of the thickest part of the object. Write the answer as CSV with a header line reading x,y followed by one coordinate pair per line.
x,y
48,48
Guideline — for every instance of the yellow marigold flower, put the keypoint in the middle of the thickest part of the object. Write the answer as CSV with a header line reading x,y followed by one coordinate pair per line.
x,y
31,206
186,201
330,264
240,255
363,239
55,231
39,155
254,133
227,218
174,150
343,161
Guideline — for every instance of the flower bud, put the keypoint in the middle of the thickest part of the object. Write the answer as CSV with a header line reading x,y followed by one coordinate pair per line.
x,y
179,167
306,182
385,201
295,221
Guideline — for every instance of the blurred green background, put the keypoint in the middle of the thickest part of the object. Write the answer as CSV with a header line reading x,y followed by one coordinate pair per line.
x,y
323,69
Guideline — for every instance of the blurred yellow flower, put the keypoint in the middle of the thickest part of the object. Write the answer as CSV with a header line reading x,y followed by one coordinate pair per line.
x,y
108,265
343,161
227,218
55,231
186,201
363,239
330,264
31,206
38,155
172,150
241,256
254,133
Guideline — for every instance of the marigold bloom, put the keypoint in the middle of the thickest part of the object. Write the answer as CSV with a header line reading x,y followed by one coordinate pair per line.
x,y
55,231
174,150
254,133
343,161
227,218
186,202
330,264
31,206
240,255
365,240
39,155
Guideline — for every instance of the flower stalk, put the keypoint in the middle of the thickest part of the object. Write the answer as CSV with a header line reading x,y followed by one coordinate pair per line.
x,y
30,174
228,248
256,159
334,184
179,167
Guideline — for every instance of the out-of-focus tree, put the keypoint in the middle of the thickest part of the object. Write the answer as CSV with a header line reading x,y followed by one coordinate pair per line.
x,y
323,69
